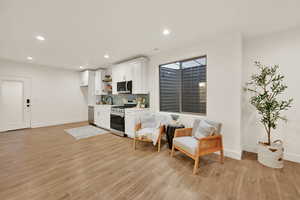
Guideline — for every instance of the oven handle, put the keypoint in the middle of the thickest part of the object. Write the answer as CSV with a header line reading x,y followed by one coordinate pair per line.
x,y
117,115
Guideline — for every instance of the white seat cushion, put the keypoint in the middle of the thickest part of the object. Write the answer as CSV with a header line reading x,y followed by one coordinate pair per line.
x,y
149,133
188,144
146,131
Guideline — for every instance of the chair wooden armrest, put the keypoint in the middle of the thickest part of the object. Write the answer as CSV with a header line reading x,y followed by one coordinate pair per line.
x,y
205,145
210,144
161,129
183,132
138,126
214,137
146,139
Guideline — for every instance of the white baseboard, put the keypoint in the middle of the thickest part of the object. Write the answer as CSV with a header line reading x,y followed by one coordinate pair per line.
x,y
45,124
250,148
292,157
237,155
287,156
233,154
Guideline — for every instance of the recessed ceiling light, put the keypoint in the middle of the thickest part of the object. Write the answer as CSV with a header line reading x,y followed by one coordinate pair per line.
x,y
81,67
106,56
40,38
29,58
166,32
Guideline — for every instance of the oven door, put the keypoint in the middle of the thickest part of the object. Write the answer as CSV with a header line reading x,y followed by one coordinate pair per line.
x,y
117,122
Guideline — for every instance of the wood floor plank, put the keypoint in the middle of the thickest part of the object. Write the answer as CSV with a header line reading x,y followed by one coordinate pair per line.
x,y
49,164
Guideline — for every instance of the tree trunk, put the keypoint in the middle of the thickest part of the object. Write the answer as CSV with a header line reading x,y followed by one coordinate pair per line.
x,y
269,135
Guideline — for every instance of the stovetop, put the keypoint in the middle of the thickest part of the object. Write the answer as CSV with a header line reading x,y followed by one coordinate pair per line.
x,y
125,106
121,109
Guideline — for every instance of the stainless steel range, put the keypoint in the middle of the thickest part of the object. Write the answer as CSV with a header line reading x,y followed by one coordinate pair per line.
x,y
117,119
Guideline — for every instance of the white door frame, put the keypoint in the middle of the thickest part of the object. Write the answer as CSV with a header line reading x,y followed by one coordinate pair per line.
x,y
26,95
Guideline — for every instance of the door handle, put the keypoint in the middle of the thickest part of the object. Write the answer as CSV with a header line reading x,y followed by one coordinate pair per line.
x,y
28,103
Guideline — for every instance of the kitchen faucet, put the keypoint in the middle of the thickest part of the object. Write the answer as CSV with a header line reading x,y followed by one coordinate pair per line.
x,y
111,100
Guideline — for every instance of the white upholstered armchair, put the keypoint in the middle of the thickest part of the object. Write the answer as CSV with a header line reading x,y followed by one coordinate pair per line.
x,y
149,129
204,138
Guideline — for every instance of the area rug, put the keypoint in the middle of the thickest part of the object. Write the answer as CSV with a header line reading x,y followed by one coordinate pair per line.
x,y
85,132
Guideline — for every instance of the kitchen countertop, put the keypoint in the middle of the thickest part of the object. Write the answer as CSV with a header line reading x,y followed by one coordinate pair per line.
x,y
99,105
136,109
128,109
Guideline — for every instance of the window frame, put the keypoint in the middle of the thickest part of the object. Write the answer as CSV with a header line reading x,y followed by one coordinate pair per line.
x,y
180,92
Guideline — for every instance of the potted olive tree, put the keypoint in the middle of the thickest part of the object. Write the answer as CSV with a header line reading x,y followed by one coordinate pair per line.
x,y
266,88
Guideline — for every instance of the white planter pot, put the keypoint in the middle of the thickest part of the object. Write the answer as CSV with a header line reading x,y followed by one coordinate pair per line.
x,y
271,155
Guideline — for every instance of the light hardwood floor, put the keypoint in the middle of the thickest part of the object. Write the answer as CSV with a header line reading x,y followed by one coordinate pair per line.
x,y
46,163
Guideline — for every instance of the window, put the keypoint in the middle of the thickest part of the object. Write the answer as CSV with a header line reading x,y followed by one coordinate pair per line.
x,y
183,86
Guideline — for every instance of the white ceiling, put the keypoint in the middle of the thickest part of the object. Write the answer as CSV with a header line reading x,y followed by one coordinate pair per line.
x,y
80,32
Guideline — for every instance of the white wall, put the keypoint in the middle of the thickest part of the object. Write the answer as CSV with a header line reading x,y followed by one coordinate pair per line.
x,y
56,95
224,61
284,49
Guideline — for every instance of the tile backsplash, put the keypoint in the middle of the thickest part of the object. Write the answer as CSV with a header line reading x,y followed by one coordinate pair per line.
x,y
120,99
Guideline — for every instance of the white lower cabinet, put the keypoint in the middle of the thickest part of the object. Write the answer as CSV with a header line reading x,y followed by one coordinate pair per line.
x,y
132,117
130,121
102,116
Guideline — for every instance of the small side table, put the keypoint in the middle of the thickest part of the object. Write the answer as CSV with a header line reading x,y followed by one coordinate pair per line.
x,y
170,133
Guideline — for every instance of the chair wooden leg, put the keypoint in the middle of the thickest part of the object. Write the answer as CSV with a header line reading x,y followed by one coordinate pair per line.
x,y
221,151
196,165
173,150
222,156
134,144
159,142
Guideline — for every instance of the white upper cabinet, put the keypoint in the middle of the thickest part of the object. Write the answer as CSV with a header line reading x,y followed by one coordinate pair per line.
x,y
140,77
116,77
135,71
84,78
99,86
87,79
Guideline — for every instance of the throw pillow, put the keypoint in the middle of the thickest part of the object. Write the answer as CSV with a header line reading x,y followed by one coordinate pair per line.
x,y
204,130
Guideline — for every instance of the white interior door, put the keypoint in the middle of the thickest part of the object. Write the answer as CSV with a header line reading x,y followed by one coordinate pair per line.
x,y
14,103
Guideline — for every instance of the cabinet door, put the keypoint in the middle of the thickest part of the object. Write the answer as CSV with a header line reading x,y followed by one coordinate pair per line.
x,y
84,76
98,82
130,121
102,118
106,120
115,78
97,117
140,78
128,72
120,73
136,78
144,78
